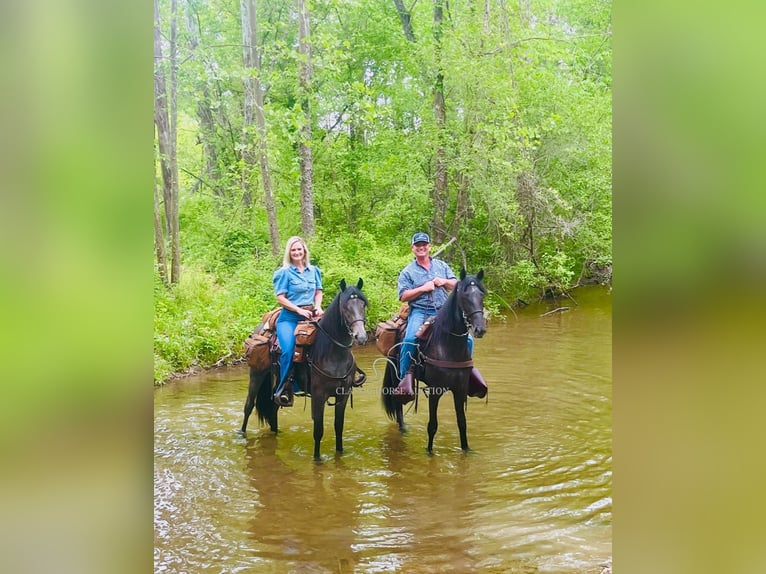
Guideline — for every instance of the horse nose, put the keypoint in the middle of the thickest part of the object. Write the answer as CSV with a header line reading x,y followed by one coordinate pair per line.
x,y
361,338
479,331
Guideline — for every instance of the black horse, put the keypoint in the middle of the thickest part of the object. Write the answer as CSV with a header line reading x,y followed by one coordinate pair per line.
x,y
444,363
329,371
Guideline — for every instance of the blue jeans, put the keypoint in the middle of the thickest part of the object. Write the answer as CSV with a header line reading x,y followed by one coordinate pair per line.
x,y
286,323
408,349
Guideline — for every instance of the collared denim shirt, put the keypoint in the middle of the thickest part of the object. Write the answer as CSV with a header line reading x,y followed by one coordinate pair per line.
x,y
414,276
299,288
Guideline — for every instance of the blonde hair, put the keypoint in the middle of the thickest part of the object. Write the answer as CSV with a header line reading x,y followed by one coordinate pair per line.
x,y
286,261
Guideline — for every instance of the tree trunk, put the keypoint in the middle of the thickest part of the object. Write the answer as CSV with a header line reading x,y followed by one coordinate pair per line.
x,y
204,113
527,200
406,19
159,238
167,152
249,59
254,116
438,224
175,240
304,81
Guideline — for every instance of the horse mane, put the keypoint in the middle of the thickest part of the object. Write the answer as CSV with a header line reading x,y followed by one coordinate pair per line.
x,y
449,319
332,321
449,314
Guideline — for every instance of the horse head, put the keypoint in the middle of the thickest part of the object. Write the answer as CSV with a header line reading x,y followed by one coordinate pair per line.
x,y
470,293
353,309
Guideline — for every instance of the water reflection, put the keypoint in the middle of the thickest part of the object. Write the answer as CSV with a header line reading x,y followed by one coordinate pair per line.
x,y
533,494
304,513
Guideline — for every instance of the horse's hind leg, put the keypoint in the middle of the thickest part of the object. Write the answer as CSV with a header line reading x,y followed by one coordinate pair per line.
x,y
250,402
460,400
433,421
400,418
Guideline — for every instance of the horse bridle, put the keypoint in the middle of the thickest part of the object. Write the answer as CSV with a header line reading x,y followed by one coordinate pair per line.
x,y
467,317
348,328
339,344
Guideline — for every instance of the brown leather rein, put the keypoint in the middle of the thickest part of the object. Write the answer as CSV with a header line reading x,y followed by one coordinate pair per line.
x,y
448,364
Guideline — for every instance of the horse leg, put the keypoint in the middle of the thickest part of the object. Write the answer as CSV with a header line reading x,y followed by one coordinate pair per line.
x,y
318,401
264,404
340,417
252,391
433,422
400,418
460,400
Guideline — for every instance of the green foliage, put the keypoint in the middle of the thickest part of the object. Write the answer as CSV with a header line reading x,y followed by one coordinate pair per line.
x,y
527,140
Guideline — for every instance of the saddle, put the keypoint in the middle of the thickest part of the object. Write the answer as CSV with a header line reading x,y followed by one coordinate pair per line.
x,y
390,332
262,342
259,344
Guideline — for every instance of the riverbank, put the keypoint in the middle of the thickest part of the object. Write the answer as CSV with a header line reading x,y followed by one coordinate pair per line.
x,y
497,310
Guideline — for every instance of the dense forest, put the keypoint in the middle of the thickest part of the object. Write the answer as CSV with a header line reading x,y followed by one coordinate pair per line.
x,y
355,123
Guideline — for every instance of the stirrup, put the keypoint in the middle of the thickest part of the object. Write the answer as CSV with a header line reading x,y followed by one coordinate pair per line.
x,y
283,400
359,381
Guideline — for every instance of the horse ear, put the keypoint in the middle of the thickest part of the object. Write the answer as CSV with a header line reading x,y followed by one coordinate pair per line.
x,y
359,284
480,274
462,273
342,285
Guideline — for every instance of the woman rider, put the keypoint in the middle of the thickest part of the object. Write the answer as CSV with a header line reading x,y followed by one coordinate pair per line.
x,y
298,289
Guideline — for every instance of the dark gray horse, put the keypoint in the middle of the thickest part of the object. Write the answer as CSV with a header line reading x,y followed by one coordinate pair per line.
x,y
329,372
444,363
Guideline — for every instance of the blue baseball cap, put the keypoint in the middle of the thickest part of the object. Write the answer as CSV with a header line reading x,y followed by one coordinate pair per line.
x,y
420,237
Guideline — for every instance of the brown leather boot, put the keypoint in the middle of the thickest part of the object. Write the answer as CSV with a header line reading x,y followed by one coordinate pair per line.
x,y
477,386
405,390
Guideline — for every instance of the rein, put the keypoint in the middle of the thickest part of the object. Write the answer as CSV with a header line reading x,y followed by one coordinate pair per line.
x,y
335,342
448,364
333,377
455,364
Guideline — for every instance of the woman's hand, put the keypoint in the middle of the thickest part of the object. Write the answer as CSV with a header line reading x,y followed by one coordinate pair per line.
x,y
305,313
318,312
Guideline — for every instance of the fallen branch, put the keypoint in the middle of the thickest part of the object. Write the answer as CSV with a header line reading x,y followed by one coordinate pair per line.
x,y
560,309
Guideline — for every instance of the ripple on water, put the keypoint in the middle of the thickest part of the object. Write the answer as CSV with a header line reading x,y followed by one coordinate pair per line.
x,y
534,495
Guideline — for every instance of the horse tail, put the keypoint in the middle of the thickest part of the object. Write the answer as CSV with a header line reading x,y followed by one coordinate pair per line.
x,y
390,381
264,403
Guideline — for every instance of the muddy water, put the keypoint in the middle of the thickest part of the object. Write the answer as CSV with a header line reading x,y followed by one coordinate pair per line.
x,y
532,495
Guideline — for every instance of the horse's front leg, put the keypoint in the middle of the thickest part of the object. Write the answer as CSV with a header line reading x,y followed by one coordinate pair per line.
x,y
340,416
318,401
460,400
433,421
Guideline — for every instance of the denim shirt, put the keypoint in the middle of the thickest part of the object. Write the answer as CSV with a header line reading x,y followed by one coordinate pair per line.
x,y
298,287
414,276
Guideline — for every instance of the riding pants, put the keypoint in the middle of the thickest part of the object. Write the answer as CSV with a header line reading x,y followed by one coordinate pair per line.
x,y
286,323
